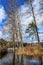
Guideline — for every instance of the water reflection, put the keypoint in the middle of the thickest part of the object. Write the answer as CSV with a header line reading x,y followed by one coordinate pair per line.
x,y
8,60
31,62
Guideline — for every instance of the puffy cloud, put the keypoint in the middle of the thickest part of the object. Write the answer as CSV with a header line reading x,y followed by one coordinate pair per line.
x,y
41,37
24,8
26,16
2,16
2,13
0,34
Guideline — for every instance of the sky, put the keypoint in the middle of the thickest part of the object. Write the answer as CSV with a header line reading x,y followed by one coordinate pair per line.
x,y
26,18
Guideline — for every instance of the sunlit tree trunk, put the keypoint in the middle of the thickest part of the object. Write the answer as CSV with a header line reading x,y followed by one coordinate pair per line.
x,y
21,43
13,50
17,46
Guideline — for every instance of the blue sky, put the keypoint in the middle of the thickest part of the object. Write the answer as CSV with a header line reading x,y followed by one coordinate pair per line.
x,y
24,18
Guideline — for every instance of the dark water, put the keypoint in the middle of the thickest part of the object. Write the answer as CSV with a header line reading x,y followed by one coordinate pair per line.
x,y
7,60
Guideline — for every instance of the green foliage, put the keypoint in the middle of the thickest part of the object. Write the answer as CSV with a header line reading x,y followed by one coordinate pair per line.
x,y
32,30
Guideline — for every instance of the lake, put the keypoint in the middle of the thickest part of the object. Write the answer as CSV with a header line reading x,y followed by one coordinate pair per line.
x,y
7,60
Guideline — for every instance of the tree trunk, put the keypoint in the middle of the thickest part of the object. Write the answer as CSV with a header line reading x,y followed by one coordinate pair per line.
x,y
17,47
14,59
13,49
22,61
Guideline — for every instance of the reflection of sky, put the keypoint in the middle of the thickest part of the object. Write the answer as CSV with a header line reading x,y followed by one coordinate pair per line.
x,y
26,18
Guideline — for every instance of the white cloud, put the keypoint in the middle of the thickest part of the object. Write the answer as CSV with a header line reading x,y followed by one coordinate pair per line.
x,y
2,13
2,16
24,8
0,34
41,37
26,16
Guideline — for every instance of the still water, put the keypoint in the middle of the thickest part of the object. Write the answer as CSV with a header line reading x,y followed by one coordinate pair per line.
x,y
7,60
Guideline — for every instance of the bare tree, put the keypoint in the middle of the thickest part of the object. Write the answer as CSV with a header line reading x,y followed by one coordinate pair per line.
x,y
13,30
11,9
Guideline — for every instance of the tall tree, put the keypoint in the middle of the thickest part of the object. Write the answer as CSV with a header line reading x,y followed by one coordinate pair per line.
x,y
10,8
32,10
35,22
20,33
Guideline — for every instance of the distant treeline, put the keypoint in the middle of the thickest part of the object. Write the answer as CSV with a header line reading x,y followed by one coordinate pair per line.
x,y
2,41
9,43
24,44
